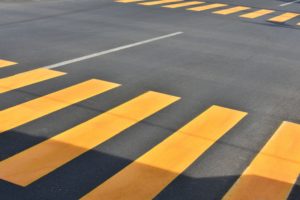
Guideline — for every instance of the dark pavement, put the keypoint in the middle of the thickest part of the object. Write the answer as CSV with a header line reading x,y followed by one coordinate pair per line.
x,y
249,65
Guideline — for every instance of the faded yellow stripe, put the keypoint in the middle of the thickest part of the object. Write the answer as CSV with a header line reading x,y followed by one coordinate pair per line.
x,y
256,14
179,5
152,3
37,161
34,109
6,63
271,175
284,17
27,78
231,10
207,7
152,172
129,1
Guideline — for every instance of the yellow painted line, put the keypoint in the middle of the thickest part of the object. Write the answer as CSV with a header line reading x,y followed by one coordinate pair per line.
x,y
34,109
153,171
37,161
256,14
179,5
284,17
207,7
27,78
231,10
152,3
6,63
271,175
128,1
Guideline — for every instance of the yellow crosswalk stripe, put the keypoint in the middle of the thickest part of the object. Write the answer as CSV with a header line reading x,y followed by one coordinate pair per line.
x,y
231,10
153,171
27,78
272,173
179,5
284,17
256,14
20,114
37,161
129,1
207,7
152,3
6,63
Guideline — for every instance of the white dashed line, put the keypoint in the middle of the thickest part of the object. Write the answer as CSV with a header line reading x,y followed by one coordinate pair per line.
x,y
289,3
110,51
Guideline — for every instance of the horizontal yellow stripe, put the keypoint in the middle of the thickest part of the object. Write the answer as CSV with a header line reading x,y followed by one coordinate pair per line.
x,y
179,5
34,109
152,3
284,17
129,1
231,10
256,14
27,78
152,172
37,161
207,7
271,175
6,63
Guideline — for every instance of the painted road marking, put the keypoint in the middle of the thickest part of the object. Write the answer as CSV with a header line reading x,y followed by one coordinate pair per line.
x,y
111,50
27,78
231,10
256,14
6,63
153,171
20,114
128,1
152,3
271,175
289,3
284,17
179,5
37,161
252,15
207,7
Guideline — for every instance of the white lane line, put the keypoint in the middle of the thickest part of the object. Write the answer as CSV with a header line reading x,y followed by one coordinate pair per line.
x,y
289,3
110,51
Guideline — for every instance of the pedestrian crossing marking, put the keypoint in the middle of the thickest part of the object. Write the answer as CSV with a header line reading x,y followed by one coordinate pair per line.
x,y
251,15
27,78
152,3
256,14
231,10
275,169
6,63
207,7
20,114
37,161
179,5
128,1
153,171
284,17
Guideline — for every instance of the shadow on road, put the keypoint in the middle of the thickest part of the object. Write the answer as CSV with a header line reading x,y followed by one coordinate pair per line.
x,y
275,24
87,171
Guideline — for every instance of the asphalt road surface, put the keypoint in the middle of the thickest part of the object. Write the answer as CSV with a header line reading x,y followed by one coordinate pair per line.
x,y
104,99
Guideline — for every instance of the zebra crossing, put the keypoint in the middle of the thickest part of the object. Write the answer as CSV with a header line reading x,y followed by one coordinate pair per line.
x,y
27,78
222,9
153,171
6,63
